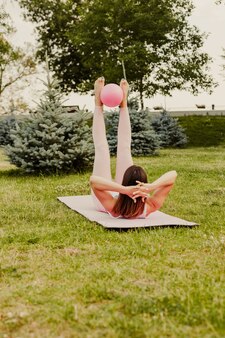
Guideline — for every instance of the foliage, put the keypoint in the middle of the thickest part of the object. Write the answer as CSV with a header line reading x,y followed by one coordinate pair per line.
x,y
133,103
49,141
54,20
161,50
15,63
6,125
171,134
144,140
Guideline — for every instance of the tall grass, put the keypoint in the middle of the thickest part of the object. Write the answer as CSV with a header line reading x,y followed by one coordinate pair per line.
x,y
64,276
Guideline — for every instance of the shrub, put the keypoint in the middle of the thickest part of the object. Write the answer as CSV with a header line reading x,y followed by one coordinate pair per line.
x,y
6,125
171,134
49,141
144,139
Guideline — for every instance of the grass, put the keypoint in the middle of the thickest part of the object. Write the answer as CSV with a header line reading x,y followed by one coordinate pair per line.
x,y
204,131
64,276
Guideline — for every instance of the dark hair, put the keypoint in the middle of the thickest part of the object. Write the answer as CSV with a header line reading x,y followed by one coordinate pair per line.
x,y
125,205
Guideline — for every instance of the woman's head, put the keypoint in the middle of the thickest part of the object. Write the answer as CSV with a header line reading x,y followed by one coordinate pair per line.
x,y
125,205
133,174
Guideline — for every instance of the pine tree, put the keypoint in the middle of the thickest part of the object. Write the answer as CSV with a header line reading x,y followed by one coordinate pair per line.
x,y
49,141
171,134
145,142
6,125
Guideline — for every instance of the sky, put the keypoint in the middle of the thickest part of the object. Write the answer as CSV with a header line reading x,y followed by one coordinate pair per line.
x,y
208,16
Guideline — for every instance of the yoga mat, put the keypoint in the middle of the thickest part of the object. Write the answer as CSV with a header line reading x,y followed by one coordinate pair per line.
x,y
84,205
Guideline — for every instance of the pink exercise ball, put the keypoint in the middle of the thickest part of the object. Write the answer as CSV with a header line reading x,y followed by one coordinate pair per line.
x,y
111,95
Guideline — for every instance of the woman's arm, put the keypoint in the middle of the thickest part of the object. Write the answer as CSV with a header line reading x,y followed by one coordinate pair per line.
x,y
163,181
160,188
100,183
101,187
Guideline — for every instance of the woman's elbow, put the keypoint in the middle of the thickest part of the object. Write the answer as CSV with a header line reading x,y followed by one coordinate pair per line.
x,y
173,173
91,181
173,176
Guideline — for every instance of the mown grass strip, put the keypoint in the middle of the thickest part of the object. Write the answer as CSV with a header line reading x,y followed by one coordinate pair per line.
x,y
63,276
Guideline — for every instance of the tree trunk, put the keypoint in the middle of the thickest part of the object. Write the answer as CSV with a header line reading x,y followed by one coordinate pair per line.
x,y
141,93
1,74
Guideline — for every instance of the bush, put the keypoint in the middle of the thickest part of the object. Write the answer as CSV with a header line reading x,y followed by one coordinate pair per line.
x,y
171,134
144,139
6,125
49,141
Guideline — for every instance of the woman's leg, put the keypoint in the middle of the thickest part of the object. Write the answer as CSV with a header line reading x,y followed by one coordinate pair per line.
x,y
102,155
124,158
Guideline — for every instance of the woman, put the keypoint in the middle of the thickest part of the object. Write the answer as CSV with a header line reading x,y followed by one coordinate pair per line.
x,y
135,197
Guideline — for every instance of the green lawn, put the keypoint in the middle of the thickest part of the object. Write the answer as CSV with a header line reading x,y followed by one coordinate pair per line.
x,y
64,276
204,131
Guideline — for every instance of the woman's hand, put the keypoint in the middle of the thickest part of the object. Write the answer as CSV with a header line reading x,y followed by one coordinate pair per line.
x,y
130,190
141,194
145,187
140,190
134,191
143,191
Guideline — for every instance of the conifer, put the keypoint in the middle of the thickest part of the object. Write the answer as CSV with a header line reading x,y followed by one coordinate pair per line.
x,y
171,134
49,141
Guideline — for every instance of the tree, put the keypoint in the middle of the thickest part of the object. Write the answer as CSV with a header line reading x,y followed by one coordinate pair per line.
x,y
170,133
49,141
223,57
5,24
6,125
54,20
161,50
15,64
145,142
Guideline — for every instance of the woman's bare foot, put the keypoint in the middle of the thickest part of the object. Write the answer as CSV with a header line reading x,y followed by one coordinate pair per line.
x,y
99,84
125,88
